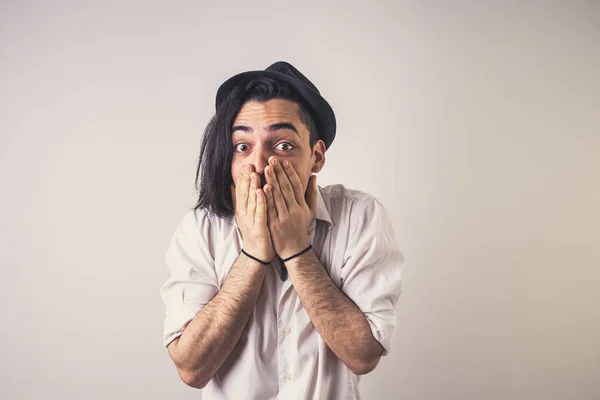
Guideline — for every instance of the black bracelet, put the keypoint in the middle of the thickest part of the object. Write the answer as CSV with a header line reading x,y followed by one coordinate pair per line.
x,y
296,255
284,272
256,259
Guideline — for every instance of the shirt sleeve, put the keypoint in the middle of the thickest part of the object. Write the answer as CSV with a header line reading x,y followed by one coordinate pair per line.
x,y
371,274
193,279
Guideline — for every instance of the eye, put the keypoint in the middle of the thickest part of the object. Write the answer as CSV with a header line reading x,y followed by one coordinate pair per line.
x,y
241,147
285,146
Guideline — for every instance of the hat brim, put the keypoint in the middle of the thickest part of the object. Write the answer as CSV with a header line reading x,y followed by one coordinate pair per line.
x,y
319,107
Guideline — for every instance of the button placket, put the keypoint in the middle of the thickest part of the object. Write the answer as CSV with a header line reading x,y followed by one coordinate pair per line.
x,y
282,331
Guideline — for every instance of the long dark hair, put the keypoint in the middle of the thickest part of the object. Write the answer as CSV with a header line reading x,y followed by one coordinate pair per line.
x,y
213,176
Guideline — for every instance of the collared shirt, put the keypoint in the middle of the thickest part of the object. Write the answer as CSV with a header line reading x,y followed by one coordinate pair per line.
x,y
280,354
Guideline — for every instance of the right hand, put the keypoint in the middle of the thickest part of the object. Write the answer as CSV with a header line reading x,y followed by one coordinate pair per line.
x,y
250,207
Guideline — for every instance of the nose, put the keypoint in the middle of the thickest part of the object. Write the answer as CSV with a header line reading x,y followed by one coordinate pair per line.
x,y
260,161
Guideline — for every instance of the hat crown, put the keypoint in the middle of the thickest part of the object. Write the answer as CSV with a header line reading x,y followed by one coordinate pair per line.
x,y
288,69
283,71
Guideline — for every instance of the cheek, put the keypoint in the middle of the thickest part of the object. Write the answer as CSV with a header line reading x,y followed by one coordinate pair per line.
x,y
303,179
303,171
235,172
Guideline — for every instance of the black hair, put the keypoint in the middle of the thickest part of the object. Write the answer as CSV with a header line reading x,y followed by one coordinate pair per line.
x,y
213,175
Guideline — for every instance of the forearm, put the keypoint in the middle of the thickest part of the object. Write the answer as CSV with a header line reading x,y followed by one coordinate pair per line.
x,y
209,338
337,319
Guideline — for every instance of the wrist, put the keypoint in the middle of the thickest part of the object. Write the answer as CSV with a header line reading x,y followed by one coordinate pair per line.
x,y
291,255
293,248
257,256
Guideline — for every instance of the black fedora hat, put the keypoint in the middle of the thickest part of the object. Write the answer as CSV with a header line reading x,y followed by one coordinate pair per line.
x,y
283,71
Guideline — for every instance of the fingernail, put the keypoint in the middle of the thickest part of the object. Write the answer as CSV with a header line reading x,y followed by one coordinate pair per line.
x,y
275,161
286,163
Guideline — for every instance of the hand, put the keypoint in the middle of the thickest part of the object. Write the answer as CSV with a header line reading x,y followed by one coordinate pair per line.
x,y
289,212
251,215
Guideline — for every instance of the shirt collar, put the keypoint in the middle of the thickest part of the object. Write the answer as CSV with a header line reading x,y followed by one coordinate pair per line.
x,y
322,208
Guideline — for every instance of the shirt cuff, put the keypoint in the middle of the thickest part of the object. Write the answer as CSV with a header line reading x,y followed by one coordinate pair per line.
x,y
382,330
177,318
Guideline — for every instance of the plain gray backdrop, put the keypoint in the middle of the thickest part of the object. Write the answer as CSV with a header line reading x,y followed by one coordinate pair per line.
x,y
475,123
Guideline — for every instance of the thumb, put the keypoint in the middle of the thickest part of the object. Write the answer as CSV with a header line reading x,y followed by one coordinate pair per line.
x,y
311,195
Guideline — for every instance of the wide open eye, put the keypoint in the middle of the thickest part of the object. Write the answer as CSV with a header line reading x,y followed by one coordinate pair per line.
x,y
241,147
285,146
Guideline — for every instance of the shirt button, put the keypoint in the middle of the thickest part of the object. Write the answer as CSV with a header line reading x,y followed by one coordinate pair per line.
x,y
286,331
287,376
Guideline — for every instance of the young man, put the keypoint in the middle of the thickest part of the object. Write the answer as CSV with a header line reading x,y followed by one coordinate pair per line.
x,y
279,288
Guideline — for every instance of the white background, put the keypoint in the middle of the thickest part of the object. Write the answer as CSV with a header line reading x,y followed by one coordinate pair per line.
x,y
475,123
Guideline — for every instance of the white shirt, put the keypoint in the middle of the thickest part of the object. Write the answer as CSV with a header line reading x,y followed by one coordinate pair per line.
x,y
281,355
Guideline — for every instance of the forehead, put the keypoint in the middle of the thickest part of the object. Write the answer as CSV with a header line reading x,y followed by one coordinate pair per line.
x,y
264,113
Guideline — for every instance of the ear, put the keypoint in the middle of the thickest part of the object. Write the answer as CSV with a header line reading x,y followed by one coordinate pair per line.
x,y
311,195
318,156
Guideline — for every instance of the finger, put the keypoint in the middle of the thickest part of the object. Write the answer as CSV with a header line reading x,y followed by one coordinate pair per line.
x,y
294,180
252,196
250,171
271,209
242,191
311,194
260,217
277,195
284,183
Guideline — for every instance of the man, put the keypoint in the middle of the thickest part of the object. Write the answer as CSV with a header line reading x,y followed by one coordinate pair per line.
x,y
279,288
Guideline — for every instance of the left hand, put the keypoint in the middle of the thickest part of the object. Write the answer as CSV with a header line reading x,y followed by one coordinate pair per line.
x,y
289,210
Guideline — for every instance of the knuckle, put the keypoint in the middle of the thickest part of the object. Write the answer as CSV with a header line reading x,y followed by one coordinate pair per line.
x,y
286,187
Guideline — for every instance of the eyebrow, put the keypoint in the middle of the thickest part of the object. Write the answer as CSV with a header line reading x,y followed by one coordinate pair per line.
x,y
270,128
